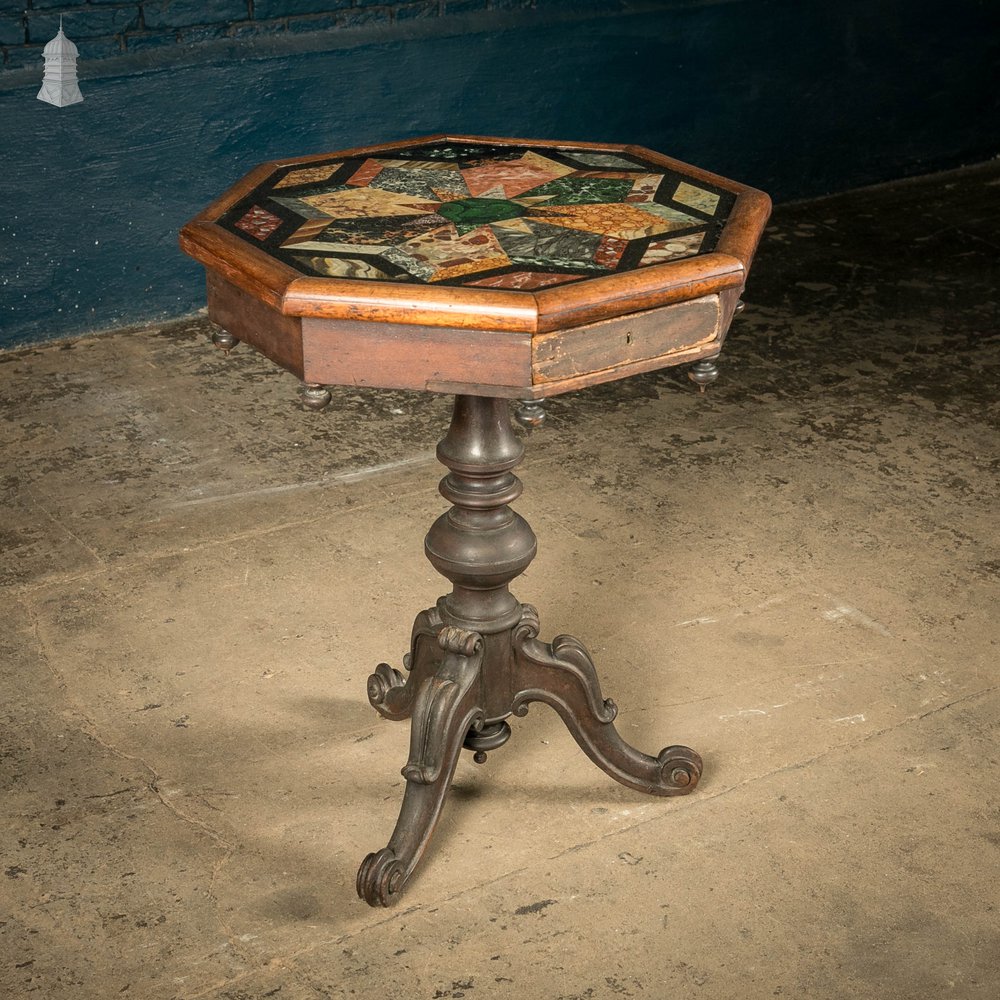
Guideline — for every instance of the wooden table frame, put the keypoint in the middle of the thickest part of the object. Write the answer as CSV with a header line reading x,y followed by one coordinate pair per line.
x,y
475,657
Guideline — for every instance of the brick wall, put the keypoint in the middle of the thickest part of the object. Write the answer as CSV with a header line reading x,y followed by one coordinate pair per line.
x,y
105,28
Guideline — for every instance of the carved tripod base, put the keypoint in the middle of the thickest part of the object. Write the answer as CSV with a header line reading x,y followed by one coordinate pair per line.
x,y
444,695
475,658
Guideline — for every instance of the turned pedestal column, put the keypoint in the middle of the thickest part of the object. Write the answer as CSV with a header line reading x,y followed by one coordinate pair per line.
x,y
475,658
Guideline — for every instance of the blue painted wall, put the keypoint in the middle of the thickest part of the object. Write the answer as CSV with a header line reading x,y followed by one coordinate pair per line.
x,y
797,98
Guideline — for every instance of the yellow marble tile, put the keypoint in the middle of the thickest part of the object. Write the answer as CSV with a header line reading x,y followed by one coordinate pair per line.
x,y
452,255
309,175
336,267
695,197
627,222
660,251
362,203
544,163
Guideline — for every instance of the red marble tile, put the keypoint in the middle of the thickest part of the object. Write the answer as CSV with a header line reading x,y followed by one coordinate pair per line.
x,y
259,223
609,252
524,280
366,173
513,176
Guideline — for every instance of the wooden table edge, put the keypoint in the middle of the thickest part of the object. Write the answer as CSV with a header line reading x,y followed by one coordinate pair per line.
x,y
243,265
578,303
745,226
418,305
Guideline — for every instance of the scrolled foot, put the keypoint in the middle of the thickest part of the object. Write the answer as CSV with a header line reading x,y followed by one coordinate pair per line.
x,y
390,692
380,877
382,682
445,710
680,768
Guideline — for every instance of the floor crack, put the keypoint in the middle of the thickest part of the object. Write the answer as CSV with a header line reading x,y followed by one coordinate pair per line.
x,y
89,729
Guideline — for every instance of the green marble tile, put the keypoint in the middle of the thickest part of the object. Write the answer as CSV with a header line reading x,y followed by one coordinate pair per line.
x,y
422,183
581,191
604,160
415,268
543,245
389,231
470,213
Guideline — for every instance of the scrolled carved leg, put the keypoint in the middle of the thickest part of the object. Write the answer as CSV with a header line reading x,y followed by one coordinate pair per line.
x,y
445,709
389,692
562,674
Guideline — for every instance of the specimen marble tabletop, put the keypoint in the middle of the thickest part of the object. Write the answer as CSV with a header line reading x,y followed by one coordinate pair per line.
x,y
491,266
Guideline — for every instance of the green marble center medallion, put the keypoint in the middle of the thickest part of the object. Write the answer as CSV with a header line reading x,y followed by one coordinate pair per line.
x,y
470,213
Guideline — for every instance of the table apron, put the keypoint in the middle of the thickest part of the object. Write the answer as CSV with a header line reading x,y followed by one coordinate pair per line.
x,y
626,340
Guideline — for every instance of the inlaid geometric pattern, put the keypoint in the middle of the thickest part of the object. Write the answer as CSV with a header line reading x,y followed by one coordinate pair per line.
x,y
455,213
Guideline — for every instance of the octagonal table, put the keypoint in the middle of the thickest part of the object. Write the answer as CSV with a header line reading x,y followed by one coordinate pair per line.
x,y
489,269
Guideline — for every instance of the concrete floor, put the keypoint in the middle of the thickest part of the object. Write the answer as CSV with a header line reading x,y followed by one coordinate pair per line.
x,y
795,574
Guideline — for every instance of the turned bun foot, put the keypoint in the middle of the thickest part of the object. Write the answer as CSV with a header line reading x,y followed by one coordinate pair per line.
x,y
530,413
315,397
704,373
223,340
486,738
